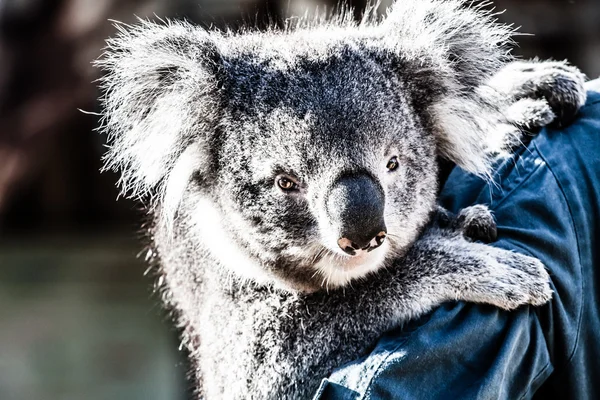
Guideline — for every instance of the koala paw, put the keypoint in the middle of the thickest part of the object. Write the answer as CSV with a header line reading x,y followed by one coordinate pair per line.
x,y
516,280
531,114
477,223
555,91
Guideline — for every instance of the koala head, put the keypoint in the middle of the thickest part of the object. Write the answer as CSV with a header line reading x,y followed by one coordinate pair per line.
x,y
304,158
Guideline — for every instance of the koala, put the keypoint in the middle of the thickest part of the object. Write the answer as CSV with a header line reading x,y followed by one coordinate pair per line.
x,y
291,176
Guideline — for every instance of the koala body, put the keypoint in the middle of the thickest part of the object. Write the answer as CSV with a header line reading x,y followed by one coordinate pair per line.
x,y
291,177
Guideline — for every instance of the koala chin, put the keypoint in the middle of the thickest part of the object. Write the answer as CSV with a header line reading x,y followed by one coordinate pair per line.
x,y
291,178
338,271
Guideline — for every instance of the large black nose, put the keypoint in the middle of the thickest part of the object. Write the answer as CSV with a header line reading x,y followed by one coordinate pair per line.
x,y
355,205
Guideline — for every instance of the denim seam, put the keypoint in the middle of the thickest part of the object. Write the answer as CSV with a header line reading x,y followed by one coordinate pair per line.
x,y
535,382
577,235
529,171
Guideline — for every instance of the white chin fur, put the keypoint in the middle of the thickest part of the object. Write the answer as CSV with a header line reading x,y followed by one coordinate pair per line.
x,y
339,270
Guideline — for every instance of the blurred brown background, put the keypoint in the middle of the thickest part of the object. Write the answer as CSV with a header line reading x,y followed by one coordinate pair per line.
x,y
77,318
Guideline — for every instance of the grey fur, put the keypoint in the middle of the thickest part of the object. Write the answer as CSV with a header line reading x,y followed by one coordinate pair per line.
x,y
202,124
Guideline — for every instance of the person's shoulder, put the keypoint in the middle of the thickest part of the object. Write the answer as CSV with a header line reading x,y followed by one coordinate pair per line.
x,y
593,89
591,108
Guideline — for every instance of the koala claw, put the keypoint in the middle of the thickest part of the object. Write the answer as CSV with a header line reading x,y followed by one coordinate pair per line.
x,y
531,114
486,274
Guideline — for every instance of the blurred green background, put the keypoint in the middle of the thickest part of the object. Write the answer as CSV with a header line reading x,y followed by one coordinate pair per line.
x,y
78,317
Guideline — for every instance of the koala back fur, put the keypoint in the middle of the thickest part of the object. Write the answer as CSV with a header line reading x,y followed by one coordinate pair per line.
x,y
202,126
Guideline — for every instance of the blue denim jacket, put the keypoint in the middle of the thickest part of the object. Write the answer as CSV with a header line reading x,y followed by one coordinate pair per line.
x,y
547,204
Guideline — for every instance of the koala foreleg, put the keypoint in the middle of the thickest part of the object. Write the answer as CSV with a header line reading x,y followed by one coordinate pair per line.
x,y
301,338
448,266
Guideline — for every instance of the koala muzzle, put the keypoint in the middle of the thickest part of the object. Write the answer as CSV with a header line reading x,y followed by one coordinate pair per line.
x,y
355,205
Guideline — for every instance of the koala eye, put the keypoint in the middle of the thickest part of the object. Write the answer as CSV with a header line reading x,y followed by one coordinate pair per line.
x,y
286,184
392,164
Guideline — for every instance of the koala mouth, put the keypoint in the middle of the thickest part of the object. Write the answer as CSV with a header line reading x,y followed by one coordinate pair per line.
x,y
338,270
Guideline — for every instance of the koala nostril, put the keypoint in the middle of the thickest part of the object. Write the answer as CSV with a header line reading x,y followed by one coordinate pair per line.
x,y
377,241
350,251
349,247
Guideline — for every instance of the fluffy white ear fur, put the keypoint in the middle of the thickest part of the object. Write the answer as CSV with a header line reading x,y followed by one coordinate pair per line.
x,y
463,43
159,95
455,49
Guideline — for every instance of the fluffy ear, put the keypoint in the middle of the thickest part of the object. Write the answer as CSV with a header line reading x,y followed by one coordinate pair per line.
x,y
446,52
160,94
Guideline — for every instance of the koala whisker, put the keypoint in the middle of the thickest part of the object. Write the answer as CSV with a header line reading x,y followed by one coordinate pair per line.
x,y
324,283
396,248
319,255
393,238
328,280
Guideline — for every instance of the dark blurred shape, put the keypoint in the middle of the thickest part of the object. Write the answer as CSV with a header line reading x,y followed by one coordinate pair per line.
x,y
558,29
77,324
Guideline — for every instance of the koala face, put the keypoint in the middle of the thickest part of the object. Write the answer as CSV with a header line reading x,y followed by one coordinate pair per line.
x,y
319,183
304,158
